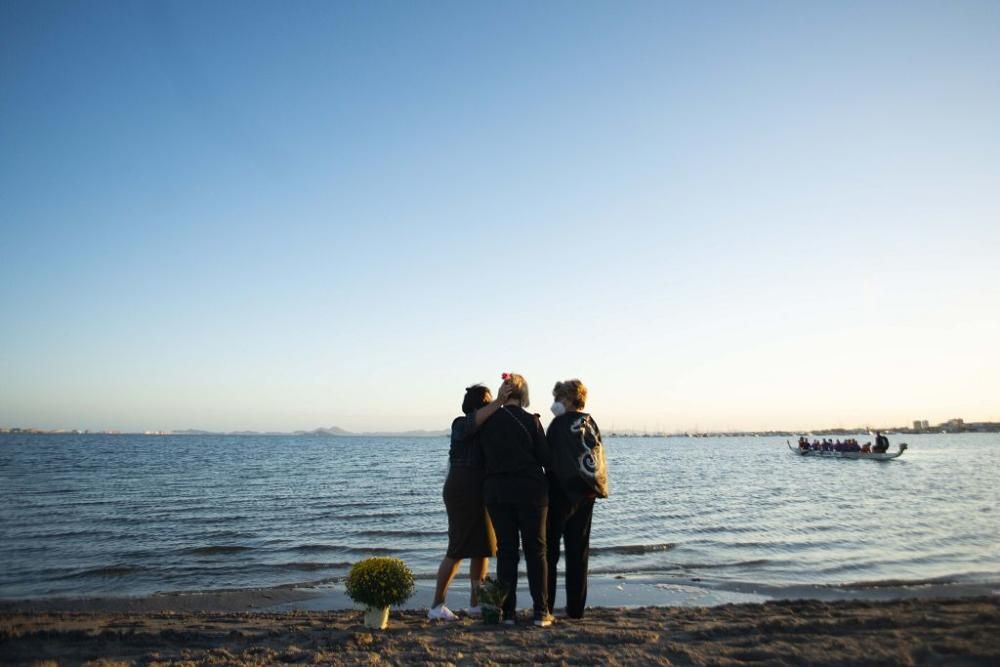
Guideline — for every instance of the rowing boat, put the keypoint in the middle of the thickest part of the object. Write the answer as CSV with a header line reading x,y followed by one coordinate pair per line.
x,y
872,456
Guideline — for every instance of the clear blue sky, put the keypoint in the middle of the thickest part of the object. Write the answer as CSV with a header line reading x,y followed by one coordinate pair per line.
x,y
233,215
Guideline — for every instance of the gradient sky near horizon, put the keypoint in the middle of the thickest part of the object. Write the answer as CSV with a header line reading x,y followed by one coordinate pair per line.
x,y
719,215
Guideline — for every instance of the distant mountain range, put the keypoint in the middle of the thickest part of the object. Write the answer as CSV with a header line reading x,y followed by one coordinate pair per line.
x,y
333,431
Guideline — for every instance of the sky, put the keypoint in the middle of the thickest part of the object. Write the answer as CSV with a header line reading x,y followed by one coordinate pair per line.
x,y
281,216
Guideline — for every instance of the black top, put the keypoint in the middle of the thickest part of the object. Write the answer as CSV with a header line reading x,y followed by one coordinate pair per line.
x,y
578,468
881,443
514,452
465,451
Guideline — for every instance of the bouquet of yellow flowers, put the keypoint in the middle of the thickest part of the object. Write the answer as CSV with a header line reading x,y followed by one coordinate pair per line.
x,y
380,582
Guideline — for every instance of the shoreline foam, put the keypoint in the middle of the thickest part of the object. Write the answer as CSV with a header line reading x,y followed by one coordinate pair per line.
x,y
620,591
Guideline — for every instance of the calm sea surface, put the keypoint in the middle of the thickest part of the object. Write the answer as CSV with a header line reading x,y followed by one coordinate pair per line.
x,y
128,515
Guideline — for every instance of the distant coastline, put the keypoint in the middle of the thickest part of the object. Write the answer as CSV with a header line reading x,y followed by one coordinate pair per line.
x,y
951,426
333,431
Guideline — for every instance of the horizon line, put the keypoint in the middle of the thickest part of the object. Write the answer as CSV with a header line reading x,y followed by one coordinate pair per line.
x,y
953,425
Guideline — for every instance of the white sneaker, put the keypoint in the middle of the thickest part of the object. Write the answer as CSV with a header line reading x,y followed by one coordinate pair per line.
x,y
441,613
475,612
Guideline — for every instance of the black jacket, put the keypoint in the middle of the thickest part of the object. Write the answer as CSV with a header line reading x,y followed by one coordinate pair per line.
x,y
578,469
515,453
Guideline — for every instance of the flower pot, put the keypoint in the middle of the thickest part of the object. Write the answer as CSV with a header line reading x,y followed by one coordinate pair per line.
x,y
491,614
377,618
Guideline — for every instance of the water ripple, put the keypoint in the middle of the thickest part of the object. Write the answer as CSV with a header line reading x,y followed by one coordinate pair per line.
x,y
135,514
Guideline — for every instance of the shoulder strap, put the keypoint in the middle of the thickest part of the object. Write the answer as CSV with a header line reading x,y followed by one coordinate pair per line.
x,y
519,423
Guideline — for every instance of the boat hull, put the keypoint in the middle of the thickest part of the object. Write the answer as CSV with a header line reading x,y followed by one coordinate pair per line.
x,y
883,456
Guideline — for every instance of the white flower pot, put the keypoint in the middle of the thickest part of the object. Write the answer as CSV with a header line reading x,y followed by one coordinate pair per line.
x,y
377,618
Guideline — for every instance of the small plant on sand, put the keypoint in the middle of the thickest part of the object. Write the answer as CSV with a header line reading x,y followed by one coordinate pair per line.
x,y
492,594
379,583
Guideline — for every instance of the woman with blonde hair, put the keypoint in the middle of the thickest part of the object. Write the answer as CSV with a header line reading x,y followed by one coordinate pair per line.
x,y
577,476
517,495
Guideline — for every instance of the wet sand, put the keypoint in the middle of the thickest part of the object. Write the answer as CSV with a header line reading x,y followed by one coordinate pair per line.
x,y
619,591
790,632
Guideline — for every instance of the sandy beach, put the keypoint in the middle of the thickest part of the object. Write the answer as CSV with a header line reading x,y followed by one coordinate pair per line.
x,y
846,632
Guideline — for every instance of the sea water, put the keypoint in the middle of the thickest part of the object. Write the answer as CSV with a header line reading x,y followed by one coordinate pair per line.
x,y
132,515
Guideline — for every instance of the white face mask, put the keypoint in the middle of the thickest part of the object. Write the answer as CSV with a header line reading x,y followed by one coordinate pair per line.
x,y
558,409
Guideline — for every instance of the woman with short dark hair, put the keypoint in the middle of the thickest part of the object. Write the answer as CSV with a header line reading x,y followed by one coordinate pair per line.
x,y
470,533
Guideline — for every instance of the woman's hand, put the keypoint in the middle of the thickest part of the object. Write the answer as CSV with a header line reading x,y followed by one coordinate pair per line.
x,y
485,412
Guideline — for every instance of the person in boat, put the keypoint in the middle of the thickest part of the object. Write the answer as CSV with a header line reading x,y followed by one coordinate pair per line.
x,y
881,443
803,443
866,448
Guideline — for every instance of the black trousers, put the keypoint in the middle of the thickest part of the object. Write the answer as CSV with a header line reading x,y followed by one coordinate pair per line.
x,y
569,522
524,523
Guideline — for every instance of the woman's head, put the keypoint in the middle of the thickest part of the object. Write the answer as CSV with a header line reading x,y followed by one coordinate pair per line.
x,y
476,397
571,393
518,388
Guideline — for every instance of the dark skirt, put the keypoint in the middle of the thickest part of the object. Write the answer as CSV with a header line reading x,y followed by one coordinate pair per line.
x,y
470,532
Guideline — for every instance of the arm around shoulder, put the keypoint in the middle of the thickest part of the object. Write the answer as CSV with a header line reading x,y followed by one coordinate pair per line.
x,y
488,410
